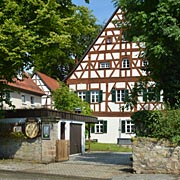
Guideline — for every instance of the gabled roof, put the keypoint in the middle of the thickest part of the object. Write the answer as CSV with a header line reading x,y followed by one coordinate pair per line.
x,y
27,84
51,83
92,44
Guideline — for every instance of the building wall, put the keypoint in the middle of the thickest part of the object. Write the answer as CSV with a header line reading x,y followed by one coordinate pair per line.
x,y
113,130
39,148
67,132
16,99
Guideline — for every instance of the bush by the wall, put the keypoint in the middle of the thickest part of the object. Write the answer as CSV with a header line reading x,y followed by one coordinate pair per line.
x,y
158,124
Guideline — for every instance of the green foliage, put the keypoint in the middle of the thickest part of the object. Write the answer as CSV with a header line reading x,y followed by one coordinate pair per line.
x,y
157,23
157,124
68,100
45,34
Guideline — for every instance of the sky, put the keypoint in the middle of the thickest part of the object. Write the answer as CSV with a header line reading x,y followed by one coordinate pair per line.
x,y
102,9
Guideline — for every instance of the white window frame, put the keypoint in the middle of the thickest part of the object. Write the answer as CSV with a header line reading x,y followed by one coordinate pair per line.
x,y
82,95
99,128
145,63
104,65
94,96
23,99
32,99
120,95
129,126
125,63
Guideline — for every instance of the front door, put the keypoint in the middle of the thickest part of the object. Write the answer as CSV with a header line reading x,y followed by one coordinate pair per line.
x,y
75,138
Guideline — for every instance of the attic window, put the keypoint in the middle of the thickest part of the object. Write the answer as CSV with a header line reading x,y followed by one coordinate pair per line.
x,y
125,63
104,65
108,40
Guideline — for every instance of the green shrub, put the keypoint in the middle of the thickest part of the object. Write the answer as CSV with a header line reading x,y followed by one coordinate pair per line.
x,y
158,124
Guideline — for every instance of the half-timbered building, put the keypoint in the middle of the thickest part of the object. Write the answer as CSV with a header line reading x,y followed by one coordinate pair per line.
x,y
104,76
48,85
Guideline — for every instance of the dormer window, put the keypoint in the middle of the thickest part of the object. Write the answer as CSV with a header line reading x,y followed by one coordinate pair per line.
x,y
125,63
104,65
108,40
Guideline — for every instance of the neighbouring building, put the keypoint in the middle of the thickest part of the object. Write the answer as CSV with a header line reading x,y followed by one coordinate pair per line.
x,y
105,76
42,134
24,94
48,85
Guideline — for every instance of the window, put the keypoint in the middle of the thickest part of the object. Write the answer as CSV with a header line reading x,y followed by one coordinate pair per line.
x,y
127,127
104,65
123,36
32,100
82,95
151,94
100,127
125,63
119,95
23,98
94,96
145,63
109,40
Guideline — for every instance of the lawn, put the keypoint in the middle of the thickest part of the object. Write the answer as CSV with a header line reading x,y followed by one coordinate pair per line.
x,y
94,146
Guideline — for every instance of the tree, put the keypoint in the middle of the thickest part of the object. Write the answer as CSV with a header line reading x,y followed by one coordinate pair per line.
x,y
68,100
46,34
157,24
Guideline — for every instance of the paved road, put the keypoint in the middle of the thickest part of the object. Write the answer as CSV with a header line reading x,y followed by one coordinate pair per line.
x,y
91,166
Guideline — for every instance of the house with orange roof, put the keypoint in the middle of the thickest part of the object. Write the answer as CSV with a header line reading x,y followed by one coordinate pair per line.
x,y
24,94
46,84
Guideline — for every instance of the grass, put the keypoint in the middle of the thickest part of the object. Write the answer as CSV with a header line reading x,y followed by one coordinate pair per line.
x,y
94,146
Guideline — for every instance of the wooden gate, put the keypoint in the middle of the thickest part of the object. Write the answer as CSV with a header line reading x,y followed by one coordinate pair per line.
x,y
75,138
62,150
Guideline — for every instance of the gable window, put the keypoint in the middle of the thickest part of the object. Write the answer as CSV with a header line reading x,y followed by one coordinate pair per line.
x,y
104,65
108,40
100,127
82,95
32,100
94,96
23,99
127,126
119,95
125,63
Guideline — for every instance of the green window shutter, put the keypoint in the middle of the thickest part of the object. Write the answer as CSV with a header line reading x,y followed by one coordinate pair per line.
x,y
113,92
93,129
100,96
88,96
126,95
145,95
123,127
104,126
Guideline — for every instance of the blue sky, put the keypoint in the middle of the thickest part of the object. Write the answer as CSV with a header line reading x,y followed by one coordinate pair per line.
x,y
102,9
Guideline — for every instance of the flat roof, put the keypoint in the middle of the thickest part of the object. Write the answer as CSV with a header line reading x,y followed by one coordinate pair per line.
x,y
48,113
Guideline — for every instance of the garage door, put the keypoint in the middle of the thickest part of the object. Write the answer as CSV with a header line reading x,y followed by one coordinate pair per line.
x,y
75,138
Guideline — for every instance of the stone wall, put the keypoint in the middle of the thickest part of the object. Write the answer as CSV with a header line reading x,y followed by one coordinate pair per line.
x,y
17,148
37,149
152,156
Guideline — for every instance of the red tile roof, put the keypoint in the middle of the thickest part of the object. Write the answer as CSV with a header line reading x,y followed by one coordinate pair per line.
x,y
26,84
51,83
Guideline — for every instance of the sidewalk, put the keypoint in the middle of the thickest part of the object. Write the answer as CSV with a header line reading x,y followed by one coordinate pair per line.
x,y
116,166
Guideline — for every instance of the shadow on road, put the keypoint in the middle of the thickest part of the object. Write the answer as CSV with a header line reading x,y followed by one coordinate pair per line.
x,y
111,158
